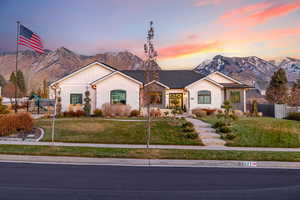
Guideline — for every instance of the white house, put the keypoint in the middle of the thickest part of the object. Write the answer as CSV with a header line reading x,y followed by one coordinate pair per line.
x,y
177,88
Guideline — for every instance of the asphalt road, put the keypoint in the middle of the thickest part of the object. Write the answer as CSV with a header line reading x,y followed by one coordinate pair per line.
x,y
46,181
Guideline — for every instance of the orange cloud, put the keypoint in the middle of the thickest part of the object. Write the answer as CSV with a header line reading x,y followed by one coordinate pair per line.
x,y
186,49
258,13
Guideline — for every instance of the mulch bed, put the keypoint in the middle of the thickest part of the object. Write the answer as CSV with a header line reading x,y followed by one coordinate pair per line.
x,y
32,135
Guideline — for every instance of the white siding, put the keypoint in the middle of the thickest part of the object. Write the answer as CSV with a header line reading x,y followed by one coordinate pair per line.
x,y
216,94
219,79
78,84
118,82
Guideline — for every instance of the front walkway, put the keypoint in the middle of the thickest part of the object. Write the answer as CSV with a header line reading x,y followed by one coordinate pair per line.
x,y
140,146
207,134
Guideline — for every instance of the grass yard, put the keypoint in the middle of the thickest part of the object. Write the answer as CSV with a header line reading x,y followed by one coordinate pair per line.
x,y
263,132
152,153
97,130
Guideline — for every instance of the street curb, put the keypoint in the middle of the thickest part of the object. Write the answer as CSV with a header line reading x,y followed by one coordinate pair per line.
x,y
147,162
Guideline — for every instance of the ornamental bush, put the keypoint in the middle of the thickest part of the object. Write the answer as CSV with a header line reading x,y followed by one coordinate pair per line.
x,y
14,123
98,113
294,116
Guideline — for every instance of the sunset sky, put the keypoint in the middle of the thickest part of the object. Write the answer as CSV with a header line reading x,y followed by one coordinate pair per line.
x,y
187,31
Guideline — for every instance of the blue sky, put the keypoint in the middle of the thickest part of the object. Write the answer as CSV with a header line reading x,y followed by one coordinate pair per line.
x,y
187,32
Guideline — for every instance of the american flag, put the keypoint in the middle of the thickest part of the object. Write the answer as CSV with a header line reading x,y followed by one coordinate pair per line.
x,y
30,39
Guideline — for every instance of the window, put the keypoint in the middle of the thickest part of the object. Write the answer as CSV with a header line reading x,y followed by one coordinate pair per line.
x,y
118,96
204,97
76,99
155,97
235,96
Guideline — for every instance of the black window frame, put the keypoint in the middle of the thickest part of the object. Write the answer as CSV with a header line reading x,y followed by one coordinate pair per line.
x,y
203,96
111,99
76,94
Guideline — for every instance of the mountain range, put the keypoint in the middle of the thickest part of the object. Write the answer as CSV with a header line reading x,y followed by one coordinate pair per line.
x,y
250,69
55,64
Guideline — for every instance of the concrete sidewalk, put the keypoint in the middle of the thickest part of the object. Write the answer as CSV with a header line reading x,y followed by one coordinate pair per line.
x,y
137,146
146,162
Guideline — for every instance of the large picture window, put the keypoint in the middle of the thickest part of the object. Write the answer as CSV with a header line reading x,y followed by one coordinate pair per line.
x,y
76,99
118,96
235,96
204,97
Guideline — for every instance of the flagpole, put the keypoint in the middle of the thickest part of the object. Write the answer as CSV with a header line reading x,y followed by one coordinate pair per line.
x,y
16,80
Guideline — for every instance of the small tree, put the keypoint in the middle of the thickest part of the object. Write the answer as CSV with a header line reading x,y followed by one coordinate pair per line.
x,y
228,114
45,91
254,109
9,91
87,103
277,91
2,81
58,104
150,75
294,98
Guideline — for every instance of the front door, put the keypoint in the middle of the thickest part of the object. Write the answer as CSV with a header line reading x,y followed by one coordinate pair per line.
x,y
176,100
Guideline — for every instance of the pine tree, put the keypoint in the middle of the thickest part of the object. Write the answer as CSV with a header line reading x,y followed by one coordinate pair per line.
x,y
277,91
45,92
2,81
12,78
294,98
21,82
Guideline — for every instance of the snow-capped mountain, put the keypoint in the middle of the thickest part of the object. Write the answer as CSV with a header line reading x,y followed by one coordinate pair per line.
x,y
245,69
292,67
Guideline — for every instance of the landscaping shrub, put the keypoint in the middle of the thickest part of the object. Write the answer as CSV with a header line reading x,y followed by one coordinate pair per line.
x,y
219,124
98,113
166,113
294,116
224,129
187,124
155,112
191,135
199,112
71,113
3,108
110,110
13,123
134,113
188,129
230,136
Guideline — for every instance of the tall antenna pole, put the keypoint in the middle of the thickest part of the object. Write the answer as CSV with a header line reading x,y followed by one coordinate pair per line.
x,y
16,80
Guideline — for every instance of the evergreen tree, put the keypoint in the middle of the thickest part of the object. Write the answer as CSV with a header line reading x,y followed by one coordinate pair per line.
x,y
87,103
12,78
21,82
2,81
294,98
45,92
277,91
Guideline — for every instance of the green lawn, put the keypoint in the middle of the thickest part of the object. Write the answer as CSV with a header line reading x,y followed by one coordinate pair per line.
x,y
97,130
263,132
152,153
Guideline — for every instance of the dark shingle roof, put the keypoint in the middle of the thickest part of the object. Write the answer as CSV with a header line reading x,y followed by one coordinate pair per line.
x,y
235,85
172,78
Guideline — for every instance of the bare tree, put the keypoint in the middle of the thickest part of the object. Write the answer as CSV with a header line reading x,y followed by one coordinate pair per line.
x,y
150,74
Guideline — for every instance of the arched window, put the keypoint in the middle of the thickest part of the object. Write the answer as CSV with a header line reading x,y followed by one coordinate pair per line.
x,y
204,97
118,96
